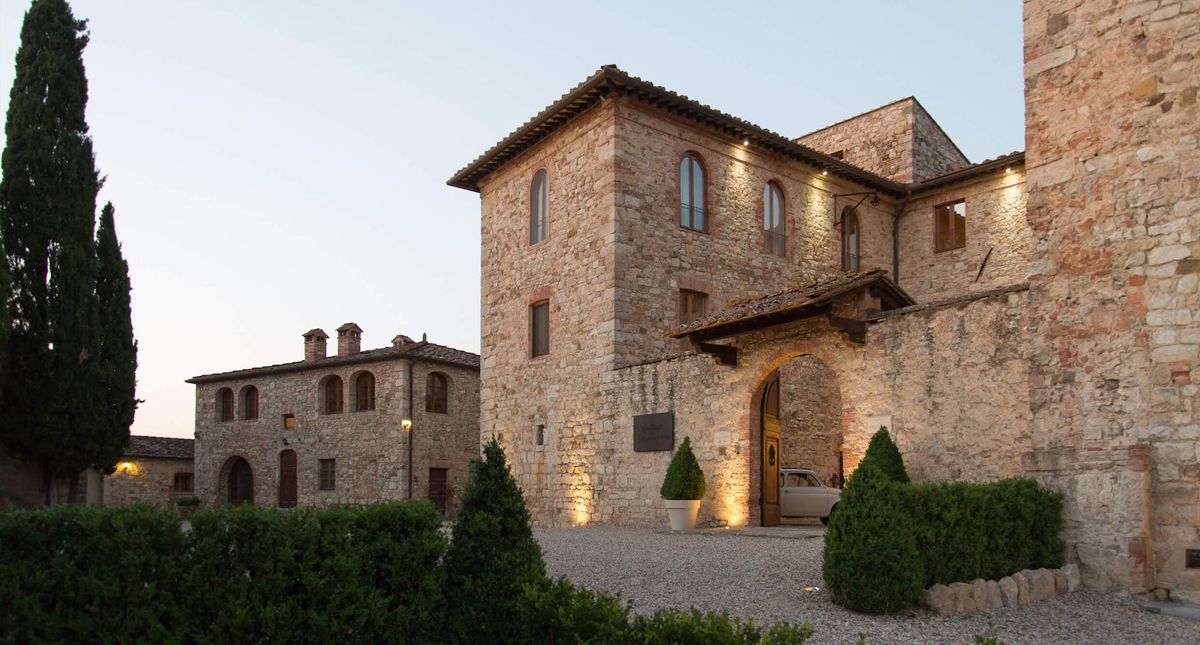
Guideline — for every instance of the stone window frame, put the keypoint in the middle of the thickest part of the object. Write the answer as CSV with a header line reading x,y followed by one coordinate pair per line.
x,y
539,224
324,406
437,402
225,408
539,437
783,220
183,482
327,474
361,402
248,403
937,234
705,212
853,261
537,297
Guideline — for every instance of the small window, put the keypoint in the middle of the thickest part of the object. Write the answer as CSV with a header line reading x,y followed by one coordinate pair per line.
x,y
540,436
182,483
249,403
539,329
539,207
774,240
326,474
289,422
951,223
225,404
692,306
691,193
436,393
850,239
331,391
364,391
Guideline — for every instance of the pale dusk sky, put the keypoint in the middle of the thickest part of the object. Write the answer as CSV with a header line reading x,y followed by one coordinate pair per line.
x,y
278,166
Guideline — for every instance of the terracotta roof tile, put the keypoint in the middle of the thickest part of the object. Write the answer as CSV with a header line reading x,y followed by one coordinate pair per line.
x,y
423,350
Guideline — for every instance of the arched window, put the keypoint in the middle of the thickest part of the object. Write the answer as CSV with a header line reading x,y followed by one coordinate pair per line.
x,y
774,239
364,391
436,392
239,481
249,403
539,206
225,404
331,395
691,193
849,239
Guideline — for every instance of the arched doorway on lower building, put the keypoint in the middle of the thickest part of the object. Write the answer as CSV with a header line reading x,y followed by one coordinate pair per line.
x,y
799,425
237,481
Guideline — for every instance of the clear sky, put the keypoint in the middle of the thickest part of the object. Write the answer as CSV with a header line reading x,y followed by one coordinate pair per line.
x,y
279,166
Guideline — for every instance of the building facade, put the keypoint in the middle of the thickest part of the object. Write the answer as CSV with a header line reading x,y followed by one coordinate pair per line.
x,y
153,470
399,422
654,268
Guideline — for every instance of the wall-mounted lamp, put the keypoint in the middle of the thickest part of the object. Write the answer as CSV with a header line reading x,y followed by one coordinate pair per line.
x,y
406,424
127,467
745,142
824,172
1008,169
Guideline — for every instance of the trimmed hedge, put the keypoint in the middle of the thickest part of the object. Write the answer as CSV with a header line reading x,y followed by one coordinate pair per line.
x,y
967,531
883,454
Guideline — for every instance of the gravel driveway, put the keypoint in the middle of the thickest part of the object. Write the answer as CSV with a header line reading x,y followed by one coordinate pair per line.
x,y
762,578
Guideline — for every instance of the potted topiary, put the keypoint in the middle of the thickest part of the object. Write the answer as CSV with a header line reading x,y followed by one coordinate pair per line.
x,y
683,488
187,505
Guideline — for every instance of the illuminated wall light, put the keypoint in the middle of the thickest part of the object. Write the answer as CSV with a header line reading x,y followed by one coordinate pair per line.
x,y
127,467
746,142
824,172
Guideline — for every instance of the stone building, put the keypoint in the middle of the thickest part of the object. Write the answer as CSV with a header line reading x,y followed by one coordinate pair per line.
x,y
154,470
653,268
399,422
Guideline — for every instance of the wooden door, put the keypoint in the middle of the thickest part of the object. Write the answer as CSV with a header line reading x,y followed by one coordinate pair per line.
x,y
438,489
771,458
287,479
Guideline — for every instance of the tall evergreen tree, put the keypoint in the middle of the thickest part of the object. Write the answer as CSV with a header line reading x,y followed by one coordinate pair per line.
x,y
117,360
47,220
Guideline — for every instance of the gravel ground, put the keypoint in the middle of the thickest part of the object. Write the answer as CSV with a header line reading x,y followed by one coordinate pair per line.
x,y
762,578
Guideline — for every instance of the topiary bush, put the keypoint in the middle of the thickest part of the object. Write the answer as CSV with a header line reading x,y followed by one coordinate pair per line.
x,y
884,455
871,563
684,478
492,556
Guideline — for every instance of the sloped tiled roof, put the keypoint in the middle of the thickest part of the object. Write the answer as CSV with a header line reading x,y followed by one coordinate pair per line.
x,y
160,447
609,80
422,350
788,305
1015,158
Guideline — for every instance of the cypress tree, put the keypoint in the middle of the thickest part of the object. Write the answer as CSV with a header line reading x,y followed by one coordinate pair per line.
x,y
117,360
47,221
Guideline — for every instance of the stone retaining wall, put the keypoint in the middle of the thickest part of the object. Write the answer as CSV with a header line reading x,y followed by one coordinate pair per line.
x,y
1016,590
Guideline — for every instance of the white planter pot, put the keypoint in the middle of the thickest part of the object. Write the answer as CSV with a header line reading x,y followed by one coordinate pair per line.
x,y
682,513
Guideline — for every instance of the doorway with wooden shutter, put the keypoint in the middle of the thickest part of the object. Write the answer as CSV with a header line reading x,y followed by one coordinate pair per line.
x,y
438,488
771,456
287,479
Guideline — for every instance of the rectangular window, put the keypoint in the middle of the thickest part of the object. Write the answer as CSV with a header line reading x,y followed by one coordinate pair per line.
x,y
327,473
692,305
539,329
289,422
950,226
183,483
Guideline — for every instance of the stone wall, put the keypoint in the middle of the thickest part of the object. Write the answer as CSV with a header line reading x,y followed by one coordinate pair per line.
x,y
369,446
996,231
810,416
1111,138
146,480
899,141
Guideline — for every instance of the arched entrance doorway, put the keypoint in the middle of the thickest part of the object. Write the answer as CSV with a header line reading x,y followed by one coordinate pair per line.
x,y
239,482
799,425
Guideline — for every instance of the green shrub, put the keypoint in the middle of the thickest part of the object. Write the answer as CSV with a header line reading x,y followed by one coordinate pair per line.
x,y
190,500
669,626
871,563
884,455
559,612
492,556
968,531
684,478
75,574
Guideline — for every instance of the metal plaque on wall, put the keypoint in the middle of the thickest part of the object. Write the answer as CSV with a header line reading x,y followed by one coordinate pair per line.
x,y
653,432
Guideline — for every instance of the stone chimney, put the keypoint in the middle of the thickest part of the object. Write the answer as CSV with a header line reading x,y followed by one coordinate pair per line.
x,y
314,344
349,339
401,341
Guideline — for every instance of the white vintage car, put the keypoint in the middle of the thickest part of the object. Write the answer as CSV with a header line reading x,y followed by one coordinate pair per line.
x,y
801,494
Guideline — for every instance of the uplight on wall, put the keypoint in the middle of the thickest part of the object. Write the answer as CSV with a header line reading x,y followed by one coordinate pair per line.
x,y
406,424
127,467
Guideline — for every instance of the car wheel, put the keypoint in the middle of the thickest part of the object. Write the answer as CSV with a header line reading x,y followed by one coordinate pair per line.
x,y
825,520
